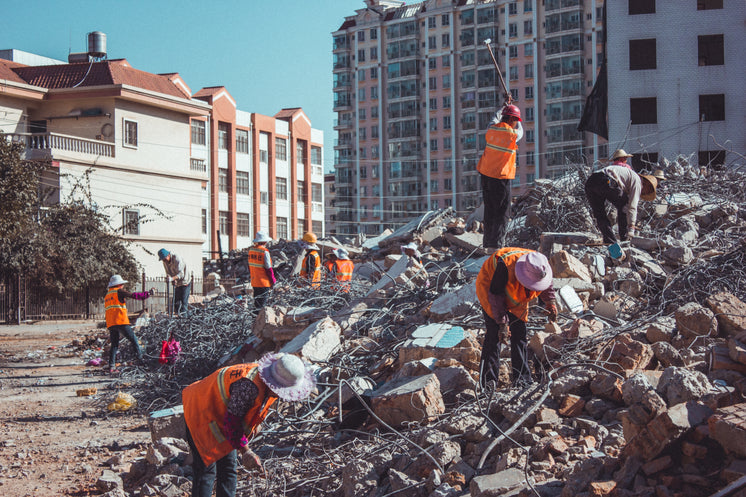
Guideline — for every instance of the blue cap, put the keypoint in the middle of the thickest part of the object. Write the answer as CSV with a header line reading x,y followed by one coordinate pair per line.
x,y
162,254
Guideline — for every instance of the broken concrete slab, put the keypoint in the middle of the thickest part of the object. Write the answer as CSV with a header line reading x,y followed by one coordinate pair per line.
x,y
566,265
730,312
167,423
408,399
317,342
728,428
680,385
694,320
389,277
548,239
469,241
595,290
467,352
441,335
497,484
455,303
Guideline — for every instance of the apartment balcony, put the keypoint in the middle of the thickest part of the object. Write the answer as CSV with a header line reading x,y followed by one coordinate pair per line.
x,y
342,124
342,105
43,146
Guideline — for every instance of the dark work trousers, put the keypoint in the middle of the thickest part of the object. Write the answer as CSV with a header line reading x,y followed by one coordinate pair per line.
x,y
224,470
260,296
496,195
181,299
598,189
114,332
489,364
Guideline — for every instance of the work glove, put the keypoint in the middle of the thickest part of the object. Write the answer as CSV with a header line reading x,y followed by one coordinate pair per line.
x,y
250,460
552,309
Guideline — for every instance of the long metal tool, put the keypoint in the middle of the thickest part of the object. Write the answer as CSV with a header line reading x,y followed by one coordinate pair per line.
x,y
506,93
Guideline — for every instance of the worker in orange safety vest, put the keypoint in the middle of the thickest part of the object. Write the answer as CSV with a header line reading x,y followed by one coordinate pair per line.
x,y
117,320
311,268
260,268
343,268
509,279
224,410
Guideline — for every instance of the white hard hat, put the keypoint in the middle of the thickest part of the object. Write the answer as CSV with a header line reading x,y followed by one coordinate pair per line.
x,y
341,253
261,237
116,280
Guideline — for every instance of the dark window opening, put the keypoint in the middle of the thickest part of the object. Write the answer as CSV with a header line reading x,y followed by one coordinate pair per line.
x,y
641,7
642,54
711,157
643,110
712,107
711,51
644,161
709,4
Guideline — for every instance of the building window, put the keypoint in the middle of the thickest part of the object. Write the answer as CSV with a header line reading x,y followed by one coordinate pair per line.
x,y
263,198
528,5
711,157
223,135
361,36
242,224
445,20
528,27
528,50
281,149
641,7
431,22
361,114
433,104
361,94
281,188
447,102
282,228
711,50
445,40
512,30
361,55
316,193
712,107
514,93
433,123
374,131
317,227
513,73
642,54
197,165
242,182
242,141
434,144
643,110
223,223
447,185
447,143
373,73
373,53
301,186
374,110
198,132
530,114
223,180
529,136
361,133
315,156
709,4
530,158
529,92
131,221
431,43
528,71
513,51
373,34
434,186
204,221
300,152
130,133
530,178
445,61
446,122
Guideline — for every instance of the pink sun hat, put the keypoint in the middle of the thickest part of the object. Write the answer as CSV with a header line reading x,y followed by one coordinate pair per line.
x,y
533,271
287,376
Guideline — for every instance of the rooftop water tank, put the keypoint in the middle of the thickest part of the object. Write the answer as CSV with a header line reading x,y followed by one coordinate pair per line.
x,y
97,44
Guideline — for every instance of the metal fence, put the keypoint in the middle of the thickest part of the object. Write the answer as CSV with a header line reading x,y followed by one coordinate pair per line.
x,y
21,301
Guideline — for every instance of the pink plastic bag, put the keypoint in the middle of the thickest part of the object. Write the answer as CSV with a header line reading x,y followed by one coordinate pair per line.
x,y
170,350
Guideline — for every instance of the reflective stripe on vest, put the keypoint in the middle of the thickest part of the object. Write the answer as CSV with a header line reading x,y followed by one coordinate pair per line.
x,y
312,266
343,269
206,402
517,296
259,276
116,310
498,158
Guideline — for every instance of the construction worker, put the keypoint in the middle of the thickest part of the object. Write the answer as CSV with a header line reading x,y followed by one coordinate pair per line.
x,y
260,268
619,158
343,268
311,268
623,188
224,410
177,275
329,259
117,320
509,279
497,170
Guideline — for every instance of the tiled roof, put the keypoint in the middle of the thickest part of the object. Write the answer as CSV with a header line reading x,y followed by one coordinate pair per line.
x,y
108,72
286,113
209,91
6,71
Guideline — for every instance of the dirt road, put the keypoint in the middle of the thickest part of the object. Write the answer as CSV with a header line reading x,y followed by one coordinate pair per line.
x,y
53,442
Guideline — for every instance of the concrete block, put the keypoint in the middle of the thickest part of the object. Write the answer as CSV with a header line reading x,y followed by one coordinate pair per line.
x,y
455,380
680,385
497,484
167,423
455,303
719,359
728,428
731,312
572,405
601,488
316,343
467,352
628,353
408,399
547,239
657,465
388,279
694,320
470,242
661,330
737,350
566,265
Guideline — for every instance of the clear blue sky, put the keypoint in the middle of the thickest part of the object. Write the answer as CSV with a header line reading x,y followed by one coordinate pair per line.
x,y
269,54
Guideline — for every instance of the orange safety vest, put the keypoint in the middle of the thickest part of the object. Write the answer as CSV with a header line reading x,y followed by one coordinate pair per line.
x,y
206,402
343,269
313,260
259,276
517,296
116,310
498,158
329,265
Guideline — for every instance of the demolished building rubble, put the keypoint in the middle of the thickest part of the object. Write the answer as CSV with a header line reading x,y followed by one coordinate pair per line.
x,y
638,388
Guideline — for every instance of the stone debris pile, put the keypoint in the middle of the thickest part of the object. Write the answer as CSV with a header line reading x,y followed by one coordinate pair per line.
x,y
638,388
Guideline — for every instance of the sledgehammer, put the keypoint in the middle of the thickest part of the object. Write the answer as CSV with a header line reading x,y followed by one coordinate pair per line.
x,y
506,93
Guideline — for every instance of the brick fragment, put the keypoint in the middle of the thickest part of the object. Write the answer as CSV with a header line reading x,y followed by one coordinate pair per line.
x,y
601,488
572,405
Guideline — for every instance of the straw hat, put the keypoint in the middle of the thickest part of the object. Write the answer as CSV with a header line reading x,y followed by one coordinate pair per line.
x,y
287,376
653,181
619,154
116,280
658,174
533,271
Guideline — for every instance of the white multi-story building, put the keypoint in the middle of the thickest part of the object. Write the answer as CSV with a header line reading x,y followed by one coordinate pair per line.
x,y
676,79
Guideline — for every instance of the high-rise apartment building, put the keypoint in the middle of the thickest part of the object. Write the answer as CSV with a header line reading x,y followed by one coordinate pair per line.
x,y
415,89
676,73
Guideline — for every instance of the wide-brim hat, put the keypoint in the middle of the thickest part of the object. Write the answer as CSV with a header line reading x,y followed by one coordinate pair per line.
x,y
261,237
533,271
341,254
287,376
658,174
116,280
311,246
653,181
619,154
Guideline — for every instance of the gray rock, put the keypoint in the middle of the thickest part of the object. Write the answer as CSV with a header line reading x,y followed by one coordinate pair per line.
x,y
679,385
573,381
359,478
667,355
694,320
661,330
109,480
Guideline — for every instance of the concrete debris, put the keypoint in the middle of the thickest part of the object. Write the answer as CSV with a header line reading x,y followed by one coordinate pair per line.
x,y
637,389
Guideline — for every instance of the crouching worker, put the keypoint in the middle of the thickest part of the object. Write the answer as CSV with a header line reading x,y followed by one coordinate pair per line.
x,y
225,409
117,320
507,282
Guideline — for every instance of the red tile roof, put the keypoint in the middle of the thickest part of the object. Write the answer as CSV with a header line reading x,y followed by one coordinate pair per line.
x,y
209,91
289,112
108,72
6,71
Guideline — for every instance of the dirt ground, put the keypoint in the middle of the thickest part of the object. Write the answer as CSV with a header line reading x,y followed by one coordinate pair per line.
x,y
52,442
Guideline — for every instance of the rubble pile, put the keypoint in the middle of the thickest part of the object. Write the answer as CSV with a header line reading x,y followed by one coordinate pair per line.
x,y
638,389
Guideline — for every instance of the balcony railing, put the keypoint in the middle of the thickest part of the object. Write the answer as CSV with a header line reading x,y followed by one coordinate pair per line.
x,y
47,142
